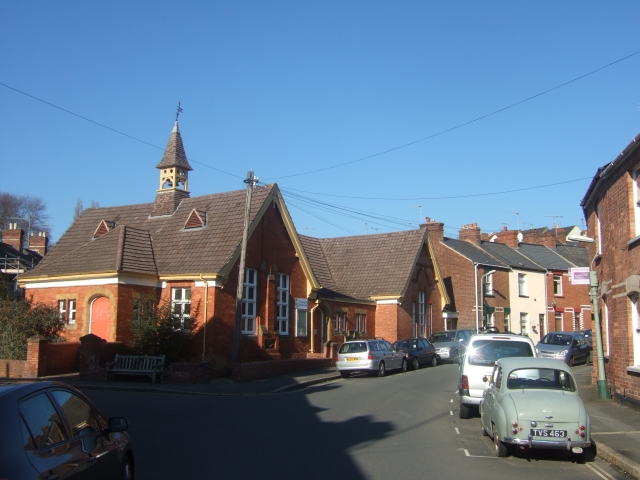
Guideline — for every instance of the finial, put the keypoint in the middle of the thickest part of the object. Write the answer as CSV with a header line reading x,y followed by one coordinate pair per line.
x,y
178,111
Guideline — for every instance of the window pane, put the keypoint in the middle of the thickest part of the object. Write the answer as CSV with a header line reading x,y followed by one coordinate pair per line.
x,y
43,421
187,294
78,413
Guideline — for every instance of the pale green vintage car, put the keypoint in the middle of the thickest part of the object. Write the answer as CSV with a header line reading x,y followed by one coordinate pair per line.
x,y
534,403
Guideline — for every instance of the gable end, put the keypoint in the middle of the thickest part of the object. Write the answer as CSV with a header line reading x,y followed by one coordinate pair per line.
x,y
104,227
197,219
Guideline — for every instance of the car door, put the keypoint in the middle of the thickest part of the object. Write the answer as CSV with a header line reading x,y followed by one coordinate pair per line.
x,y
48,445
394,357
84,423
490,396
583,347
421,352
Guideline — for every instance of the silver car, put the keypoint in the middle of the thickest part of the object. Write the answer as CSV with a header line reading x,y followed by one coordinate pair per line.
x,y
451,345
570,347
371,356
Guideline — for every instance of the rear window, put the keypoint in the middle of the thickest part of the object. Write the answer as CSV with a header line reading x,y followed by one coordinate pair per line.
x,y
406,344
353,347
442,337
487,351
540,378
557,339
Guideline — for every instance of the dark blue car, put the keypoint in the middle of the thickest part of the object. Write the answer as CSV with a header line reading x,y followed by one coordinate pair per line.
x,y
418,351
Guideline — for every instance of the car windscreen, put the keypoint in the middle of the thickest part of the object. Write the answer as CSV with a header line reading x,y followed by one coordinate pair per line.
x,y
406,345
540,378
353,347
557,339
442,337
487,351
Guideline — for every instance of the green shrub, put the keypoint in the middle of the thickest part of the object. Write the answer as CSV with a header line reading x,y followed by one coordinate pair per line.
x,y
158,332
20,319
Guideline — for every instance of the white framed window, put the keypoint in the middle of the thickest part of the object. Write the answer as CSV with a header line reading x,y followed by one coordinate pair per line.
x,y
283,304
62,311
524,320
488,285
301,322
558,321
557,285
635,329
523,288
429,325
249,296
72,312
636,200
341,321
413,320
599,229
361,322
421,312
606,323
181,306
507,319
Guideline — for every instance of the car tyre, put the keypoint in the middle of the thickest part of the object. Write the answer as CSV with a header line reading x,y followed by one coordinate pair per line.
x,y
415,364
434,361
499,447
381,369
345,374
572,362
403,367
127,469
484,432
465,411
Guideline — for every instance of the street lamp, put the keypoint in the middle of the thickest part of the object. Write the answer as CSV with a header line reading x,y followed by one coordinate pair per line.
x,y
603,390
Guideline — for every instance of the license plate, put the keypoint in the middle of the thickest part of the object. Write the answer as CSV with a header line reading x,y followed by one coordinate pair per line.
x,y
543,432
352,359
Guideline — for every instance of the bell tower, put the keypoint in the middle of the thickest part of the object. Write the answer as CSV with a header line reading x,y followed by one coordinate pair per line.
x,y
174,174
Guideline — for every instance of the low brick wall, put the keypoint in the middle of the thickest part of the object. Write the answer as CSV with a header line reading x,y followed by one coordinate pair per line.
x,y
94,353
13,368
254,370
186,373
44,358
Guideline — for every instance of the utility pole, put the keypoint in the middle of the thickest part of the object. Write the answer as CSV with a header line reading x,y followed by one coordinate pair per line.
x,y
251,182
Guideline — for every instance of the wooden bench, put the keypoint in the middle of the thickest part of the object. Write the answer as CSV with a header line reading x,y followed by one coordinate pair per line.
x,y
136,365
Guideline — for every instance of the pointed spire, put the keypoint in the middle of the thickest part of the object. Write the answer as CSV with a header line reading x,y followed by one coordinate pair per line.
x,y
174,154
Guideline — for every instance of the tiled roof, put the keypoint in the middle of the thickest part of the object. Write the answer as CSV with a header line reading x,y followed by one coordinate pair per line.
x,y
473,253
544,256
9,255
155,244
364,266
510,256
174,154
579,256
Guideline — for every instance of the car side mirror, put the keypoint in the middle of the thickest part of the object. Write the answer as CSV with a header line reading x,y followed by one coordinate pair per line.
x,y
117,424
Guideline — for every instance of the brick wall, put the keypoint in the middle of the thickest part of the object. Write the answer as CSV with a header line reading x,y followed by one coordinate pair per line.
x,y
44,358
254,370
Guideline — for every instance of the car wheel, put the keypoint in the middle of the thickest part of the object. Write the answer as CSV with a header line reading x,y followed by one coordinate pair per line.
x,y
403,367
127,469
416,363
499,447
465,411
381,369
571,361
434,361
344,374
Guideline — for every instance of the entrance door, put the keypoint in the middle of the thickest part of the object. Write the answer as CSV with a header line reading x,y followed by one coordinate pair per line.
x,y
101,318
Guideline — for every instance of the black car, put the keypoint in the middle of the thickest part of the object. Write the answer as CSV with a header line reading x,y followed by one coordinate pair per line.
x,y
51,430
417,351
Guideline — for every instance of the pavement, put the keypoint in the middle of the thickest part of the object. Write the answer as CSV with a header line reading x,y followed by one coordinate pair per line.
x,y
615,429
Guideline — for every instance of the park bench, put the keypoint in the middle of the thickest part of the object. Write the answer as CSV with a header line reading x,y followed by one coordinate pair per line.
x,y
136,365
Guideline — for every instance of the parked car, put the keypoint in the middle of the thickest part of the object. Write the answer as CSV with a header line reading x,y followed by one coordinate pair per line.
x,y
417,351
482,353
51,430
588,336
570,347
372,356
450,345
534,403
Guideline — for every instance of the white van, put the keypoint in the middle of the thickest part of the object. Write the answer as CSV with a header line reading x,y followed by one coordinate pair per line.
x,y
482,352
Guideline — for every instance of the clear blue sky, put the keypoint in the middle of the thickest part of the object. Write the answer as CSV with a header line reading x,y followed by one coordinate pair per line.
x,y
286,88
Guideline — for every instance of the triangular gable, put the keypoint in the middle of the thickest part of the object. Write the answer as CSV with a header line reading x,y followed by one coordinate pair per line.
x,y
275,198
104,227
197,219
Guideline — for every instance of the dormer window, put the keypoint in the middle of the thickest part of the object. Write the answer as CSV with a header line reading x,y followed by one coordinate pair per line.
x,y
104,227
197,219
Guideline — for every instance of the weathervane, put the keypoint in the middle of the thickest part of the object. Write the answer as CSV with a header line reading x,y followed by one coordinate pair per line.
x,y
178,111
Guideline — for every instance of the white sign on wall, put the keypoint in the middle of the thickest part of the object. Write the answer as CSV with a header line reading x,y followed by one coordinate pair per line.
x,y
579,276
302,304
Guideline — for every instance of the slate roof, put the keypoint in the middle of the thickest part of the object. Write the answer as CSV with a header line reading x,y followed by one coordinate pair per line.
x,y
174,154
579,256
9,255
510,256
364,266
474,253
545,257
155,245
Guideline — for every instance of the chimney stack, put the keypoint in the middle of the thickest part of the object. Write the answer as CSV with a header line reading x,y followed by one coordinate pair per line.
x,y
13,236
434,229
39,243
470,233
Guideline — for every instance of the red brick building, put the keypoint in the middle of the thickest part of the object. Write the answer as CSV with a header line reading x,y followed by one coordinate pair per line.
x,y
186,251
612,209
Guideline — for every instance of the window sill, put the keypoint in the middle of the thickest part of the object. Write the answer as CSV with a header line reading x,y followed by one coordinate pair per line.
x,y
558,296
523,296
489,295
633,242
635,369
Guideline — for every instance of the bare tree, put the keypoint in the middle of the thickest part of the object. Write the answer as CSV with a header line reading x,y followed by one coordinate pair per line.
x,y
30,213
79,208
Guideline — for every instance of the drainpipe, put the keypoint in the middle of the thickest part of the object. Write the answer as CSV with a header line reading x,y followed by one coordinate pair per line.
x,y
204,323
475,278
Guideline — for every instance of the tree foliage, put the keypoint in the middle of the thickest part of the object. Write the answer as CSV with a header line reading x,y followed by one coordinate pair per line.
x,y
20,319
28,212
158,332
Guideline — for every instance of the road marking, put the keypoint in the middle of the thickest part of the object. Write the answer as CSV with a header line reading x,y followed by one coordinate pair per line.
x,y
466,452
451,401
457,431
598,471
614,433
450,412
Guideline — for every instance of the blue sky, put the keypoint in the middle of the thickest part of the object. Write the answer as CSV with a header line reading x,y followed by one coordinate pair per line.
x,y
287,88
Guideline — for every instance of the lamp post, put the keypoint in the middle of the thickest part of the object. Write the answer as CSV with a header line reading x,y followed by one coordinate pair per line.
x,y
603,389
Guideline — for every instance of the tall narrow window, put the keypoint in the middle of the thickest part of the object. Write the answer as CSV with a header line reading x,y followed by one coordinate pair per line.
x,y
605,319
301,322
413,319
557,285
429,325
599,229
488,285
72,312
506,322
635,329
249,296
523,289
558,320
421,314
62,311
341,321
363,322
283,304
636,200
524,320
181,307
